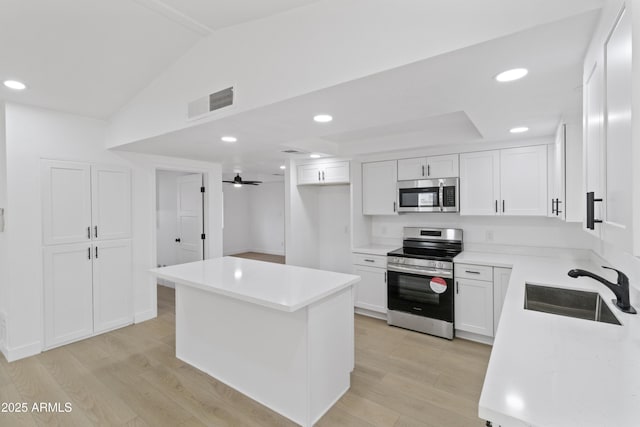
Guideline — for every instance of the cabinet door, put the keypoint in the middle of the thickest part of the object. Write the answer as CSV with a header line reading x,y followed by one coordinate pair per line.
x,y
309,174
443,166
523,181
66,202
618,182
379,188
409,169
371,291
68,305
112,285
474,306
556,168
335,173
501,278
593,152
479,183
111,202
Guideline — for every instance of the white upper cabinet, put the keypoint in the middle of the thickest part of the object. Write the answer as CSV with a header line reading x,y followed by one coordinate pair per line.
x,y
111,202
324,173
82,202
565,194
593,146
66,202
512,181
379,188
523,181
428,167
480,183
556,158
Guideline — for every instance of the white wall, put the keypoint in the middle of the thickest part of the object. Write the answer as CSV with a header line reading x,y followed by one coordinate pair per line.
x,y
33,134
312,47
237,219
254,218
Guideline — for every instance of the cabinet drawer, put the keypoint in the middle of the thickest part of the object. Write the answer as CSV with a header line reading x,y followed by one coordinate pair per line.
x,y
379,261
477,272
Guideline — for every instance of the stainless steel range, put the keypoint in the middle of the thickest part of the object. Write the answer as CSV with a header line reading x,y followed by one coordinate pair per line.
x,y
420,280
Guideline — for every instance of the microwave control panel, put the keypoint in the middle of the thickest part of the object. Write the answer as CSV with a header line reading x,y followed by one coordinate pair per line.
x,y
449,196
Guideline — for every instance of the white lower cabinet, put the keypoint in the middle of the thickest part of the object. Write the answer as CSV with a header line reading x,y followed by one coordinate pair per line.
x,y
480,292
87,290
501,278
371,291
474,306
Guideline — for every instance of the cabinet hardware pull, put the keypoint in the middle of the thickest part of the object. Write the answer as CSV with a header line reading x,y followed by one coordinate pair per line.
x,y
422,170
385,277
496,206
370,260
558,211
394,206
553,209
89,252
428,170
591,201
89,233
96,252
318,175
95,231
457,287
472,272
323,175
503,206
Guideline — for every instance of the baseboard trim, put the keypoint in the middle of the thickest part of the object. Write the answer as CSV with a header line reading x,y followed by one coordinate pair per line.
x,y
268,251
144,316
470,336
370,313
24,351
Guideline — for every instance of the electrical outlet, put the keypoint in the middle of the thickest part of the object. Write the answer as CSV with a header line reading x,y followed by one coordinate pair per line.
x,y
489,236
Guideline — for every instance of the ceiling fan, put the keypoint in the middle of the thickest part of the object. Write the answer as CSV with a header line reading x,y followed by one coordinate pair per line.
x,y
238,182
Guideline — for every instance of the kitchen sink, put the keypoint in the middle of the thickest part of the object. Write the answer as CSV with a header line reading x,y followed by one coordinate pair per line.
x,y
568,302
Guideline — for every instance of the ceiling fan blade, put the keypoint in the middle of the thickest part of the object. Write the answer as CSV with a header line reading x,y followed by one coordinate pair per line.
x,y
252,182
230,182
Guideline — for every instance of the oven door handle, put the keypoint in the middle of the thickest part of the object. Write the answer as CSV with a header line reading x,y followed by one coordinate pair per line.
x,y
420,271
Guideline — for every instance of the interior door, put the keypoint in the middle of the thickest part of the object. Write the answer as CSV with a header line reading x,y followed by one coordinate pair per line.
x,y
190,226
111,202
68,290
66,202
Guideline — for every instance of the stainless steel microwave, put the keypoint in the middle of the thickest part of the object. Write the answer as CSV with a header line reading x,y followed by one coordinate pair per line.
x,y
429,195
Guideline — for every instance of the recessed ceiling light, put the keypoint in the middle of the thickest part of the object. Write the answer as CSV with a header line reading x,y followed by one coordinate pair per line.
x,y
283,167
520,129
511,75
322,118
229,139
315,156
15,85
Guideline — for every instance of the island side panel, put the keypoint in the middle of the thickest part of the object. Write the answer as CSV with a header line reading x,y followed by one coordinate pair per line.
x,y
258,351
331,350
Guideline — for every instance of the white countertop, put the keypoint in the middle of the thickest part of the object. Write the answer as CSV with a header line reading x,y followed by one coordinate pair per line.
x,y
375,249
549,370
278,286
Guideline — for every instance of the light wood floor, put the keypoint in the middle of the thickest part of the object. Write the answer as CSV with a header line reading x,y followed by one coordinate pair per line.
x,y
278,259
130,377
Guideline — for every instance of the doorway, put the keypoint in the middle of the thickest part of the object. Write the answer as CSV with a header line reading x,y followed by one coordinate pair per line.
x,y
180,218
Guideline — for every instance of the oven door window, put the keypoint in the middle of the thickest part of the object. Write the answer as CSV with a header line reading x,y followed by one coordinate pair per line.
x,y
419,197
413,293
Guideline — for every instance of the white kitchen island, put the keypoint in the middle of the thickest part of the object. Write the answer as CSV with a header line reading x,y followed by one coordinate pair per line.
x,y
280,334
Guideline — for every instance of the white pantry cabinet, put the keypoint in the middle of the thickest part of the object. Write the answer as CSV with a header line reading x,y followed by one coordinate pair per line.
x,y
379,191
324,173
428,167
82,202
512,181
371,291
87,289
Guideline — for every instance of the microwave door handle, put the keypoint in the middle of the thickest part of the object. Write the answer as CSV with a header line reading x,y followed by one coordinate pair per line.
x,y
441,196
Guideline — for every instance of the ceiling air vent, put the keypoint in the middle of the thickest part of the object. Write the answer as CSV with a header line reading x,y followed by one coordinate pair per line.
x,y
211,102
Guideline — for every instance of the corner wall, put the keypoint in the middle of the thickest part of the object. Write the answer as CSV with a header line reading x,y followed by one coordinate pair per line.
x,y
4,279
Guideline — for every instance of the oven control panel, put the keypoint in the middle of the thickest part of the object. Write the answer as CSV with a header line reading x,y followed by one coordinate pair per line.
x,y
442,265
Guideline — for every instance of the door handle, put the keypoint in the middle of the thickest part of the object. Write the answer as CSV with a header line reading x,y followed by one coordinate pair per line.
x,y
178,240
95,231
591,202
